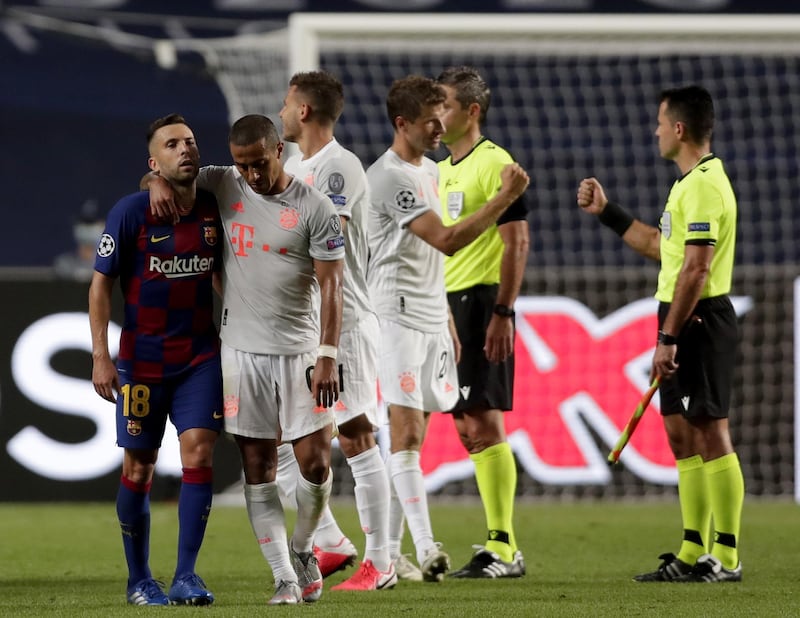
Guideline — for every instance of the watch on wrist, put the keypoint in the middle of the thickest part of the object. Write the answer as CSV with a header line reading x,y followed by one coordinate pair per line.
x,y
504,311
666,339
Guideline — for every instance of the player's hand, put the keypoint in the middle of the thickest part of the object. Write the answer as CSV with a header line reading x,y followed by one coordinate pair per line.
x,y
499,343
162,200
451,326
105,379
325,382
514,180
591,196
664,364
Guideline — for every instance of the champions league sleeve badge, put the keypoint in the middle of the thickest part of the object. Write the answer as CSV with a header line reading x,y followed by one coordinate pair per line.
x,y
106,245
405,199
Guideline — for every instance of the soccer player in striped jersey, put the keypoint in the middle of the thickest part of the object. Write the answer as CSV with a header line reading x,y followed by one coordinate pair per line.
x,y
483,281
696,343
169,361
311,108
407,240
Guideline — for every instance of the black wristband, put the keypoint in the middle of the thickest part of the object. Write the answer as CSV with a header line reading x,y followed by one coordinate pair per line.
x,y
616,217
666,339
504,310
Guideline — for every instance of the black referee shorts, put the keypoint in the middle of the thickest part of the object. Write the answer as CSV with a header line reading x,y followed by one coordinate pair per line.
x,y
705,357
481,384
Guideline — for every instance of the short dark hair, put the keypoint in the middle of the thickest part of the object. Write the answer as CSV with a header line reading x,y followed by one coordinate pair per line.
x,y
469,87
163,122
693,106
253,128
409,95
324,92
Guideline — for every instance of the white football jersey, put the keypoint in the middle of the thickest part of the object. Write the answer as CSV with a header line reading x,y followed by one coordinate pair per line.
x,y
405,274
269,285
338,173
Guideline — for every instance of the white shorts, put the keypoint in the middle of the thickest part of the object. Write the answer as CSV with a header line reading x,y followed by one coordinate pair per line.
x,y
358,364
417,369
267,396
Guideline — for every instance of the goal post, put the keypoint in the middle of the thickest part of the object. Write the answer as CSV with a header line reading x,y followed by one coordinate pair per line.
x,y
310,33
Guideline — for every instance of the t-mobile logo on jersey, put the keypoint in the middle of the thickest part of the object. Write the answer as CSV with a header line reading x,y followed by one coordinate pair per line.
x,y
175,266
242,238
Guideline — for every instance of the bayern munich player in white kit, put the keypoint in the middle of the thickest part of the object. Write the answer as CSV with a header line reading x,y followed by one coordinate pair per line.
x,y
311,108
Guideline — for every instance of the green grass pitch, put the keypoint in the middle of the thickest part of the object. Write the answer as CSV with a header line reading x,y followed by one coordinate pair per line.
x,y
66,560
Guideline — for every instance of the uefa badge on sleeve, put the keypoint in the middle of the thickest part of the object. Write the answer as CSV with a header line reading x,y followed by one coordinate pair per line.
x,y
405,199
336,183
106,245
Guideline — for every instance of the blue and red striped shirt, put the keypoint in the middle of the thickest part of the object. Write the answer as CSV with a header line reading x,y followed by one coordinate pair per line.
x,y
165,273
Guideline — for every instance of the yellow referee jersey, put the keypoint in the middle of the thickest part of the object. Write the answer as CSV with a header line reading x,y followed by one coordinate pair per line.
x,y
463,188
701,209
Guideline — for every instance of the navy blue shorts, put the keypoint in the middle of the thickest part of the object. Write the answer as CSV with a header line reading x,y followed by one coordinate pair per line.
x,y
191,400
706,356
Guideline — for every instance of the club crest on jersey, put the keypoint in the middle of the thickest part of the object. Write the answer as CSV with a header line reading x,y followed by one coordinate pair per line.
x,y
289,218
230,406
210,235
405,199
455,204
134,427
666,224
336,182
408,382
336,224
106,245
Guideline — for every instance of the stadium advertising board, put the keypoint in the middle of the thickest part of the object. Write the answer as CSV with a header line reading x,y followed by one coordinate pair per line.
x,y
57,436
578,379
580,372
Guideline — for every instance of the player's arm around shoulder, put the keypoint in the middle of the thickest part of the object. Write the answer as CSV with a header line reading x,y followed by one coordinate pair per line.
x,y
642,238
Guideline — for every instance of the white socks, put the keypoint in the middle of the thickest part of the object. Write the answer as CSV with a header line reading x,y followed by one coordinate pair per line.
x,y
266,517
372,502
409,484
312,500
288,478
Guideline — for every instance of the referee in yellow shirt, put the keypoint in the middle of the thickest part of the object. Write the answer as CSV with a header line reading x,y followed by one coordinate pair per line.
x,y
697,334
483,280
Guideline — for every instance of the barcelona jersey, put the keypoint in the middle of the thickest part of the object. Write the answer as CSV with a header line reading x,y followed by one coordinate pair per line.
x,y
165,273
